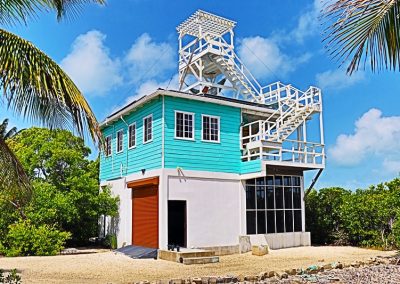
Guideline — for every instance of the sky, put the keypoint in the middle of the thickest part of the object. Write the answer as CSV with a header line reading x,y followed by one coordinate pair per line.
x,y
126,49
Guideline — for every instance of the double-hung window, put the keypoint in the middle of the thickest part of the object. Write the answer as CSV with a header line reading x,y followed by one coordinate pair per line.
x,y
120,141
184,125
148,128
211,128
132,136
108,150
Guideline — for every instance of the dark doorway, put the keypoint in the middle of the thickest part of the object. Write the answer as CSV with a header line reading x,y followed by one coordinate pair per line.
x,y
177,223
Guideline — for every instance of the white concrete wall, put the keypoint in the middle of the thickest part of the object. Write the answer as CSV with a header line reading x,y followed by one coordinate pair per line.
x,y
213,209
124,220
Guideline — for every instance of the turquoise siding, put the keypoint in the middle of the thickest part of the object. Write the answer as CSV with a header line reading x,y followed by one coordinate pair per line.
x,y
250,167
200,155
143,156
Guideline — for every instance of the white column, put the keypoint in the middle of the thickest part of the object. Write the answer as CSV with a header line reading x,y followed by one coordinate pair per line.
x,y
163,210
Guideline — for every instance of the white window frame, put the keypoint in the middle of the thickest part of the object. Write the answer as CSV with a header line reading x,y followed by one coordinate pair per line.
x,y
193,125
122,144
144,128
129,135
106,148
219,128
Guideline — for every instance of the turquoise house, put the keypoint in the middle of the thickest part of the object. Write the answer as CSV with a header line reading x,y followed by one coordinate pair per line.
x,y
219,164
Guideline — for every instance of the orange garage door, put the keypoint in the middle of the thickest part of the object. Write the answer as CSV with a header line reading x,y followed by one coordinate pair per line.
x,y
145,216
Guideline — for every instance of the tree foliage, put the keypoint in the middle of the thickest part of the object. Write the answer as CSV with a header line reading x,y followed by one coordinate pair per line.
x,y
369,217
65,184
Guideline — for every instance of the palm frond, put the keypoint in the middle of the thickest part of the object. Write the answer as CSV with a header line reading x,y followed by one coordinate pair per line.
x,y
365,31
15,186
20,11
35,87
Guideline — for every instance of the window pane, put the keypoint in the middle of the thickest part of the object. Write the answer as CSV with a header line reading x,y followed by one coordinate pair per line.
x,y
251,222
250,181
279,197
288,198
271,222
270,180
261,224
278,180
250,197
287,181
297,221
270,197
289,221
260,181
296,181
280,228
260,197
297,197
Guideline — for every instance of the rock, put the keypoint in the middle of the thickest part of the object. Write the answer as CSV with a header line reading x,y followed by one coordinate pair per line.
x,y
244,244
197,280
250,278
327,266
259,250
355,264
271,274
212,280
176,281
204,280
240,278
227,279
291,271
262,275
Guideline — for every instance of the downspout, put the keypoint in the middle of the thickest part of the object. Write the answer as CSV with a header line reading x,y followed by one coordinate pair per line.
x,y
127,157
163,133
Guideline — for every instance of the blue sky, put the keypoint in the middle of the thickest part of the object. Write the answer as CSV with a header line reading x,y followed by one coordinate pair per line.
x,y
129,48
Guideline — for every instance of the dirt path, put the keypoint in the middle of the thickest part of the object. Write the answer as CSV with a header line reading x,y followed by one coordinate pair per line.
x,y
108,267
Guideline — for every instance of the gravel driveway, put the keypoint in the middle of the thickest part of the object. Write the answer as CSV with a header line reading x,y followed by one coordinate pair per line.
x,y
108,267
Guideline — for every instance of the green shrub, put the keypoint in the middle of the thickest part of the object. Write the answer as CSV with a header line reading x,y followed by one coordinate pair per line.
x,y
10,278
111,241
25,238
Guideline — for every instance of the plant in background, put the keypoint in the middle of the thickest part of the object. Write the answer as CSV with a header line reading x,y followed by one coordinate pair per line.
x,y
10,278
27,239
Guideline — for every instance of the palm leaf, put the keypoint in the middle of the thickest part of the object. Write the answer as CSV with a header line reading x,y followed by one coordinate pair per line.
x,y
14,183
35,87
20,11
365,31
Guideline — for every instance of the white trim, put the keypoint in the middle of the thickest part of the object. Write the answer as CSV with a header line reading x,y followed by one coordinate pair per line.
x,y
163,134
219,129
116,142
106,153
146,98
129,135
193,125
144,128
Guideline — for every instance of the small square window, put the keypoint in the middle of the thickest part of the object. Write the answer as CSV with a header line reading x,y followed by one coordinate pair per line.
x,y
184,125
211,128
120,139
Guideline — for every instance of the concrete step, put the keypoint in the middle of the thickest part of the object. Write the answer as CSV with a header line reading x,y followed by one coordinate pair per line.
x,y
200,260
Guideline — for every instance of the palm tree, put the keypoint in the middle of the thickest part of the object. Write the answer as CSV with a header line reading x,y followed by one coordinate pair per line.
x,y
365,31
35,87
4,133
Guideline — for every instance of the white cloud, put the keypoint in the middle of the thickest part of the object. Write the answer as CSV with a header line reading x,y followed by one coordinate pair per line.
x,y
391,166
265,59
147,59
90,66
375,136
338,79
308,23
151,86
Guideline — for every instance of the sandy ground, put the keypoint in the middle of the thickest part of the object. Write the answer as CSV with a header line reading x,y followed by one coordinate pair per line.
x,y
108,267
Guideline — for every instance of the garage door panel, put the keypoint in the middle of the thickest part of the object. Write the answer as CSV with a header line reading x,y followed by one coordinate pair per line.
x,y
145,216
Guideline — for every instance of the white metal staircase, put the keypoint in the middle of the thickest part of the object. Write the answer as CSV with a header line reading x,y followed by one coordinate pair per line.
x,y
209,61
